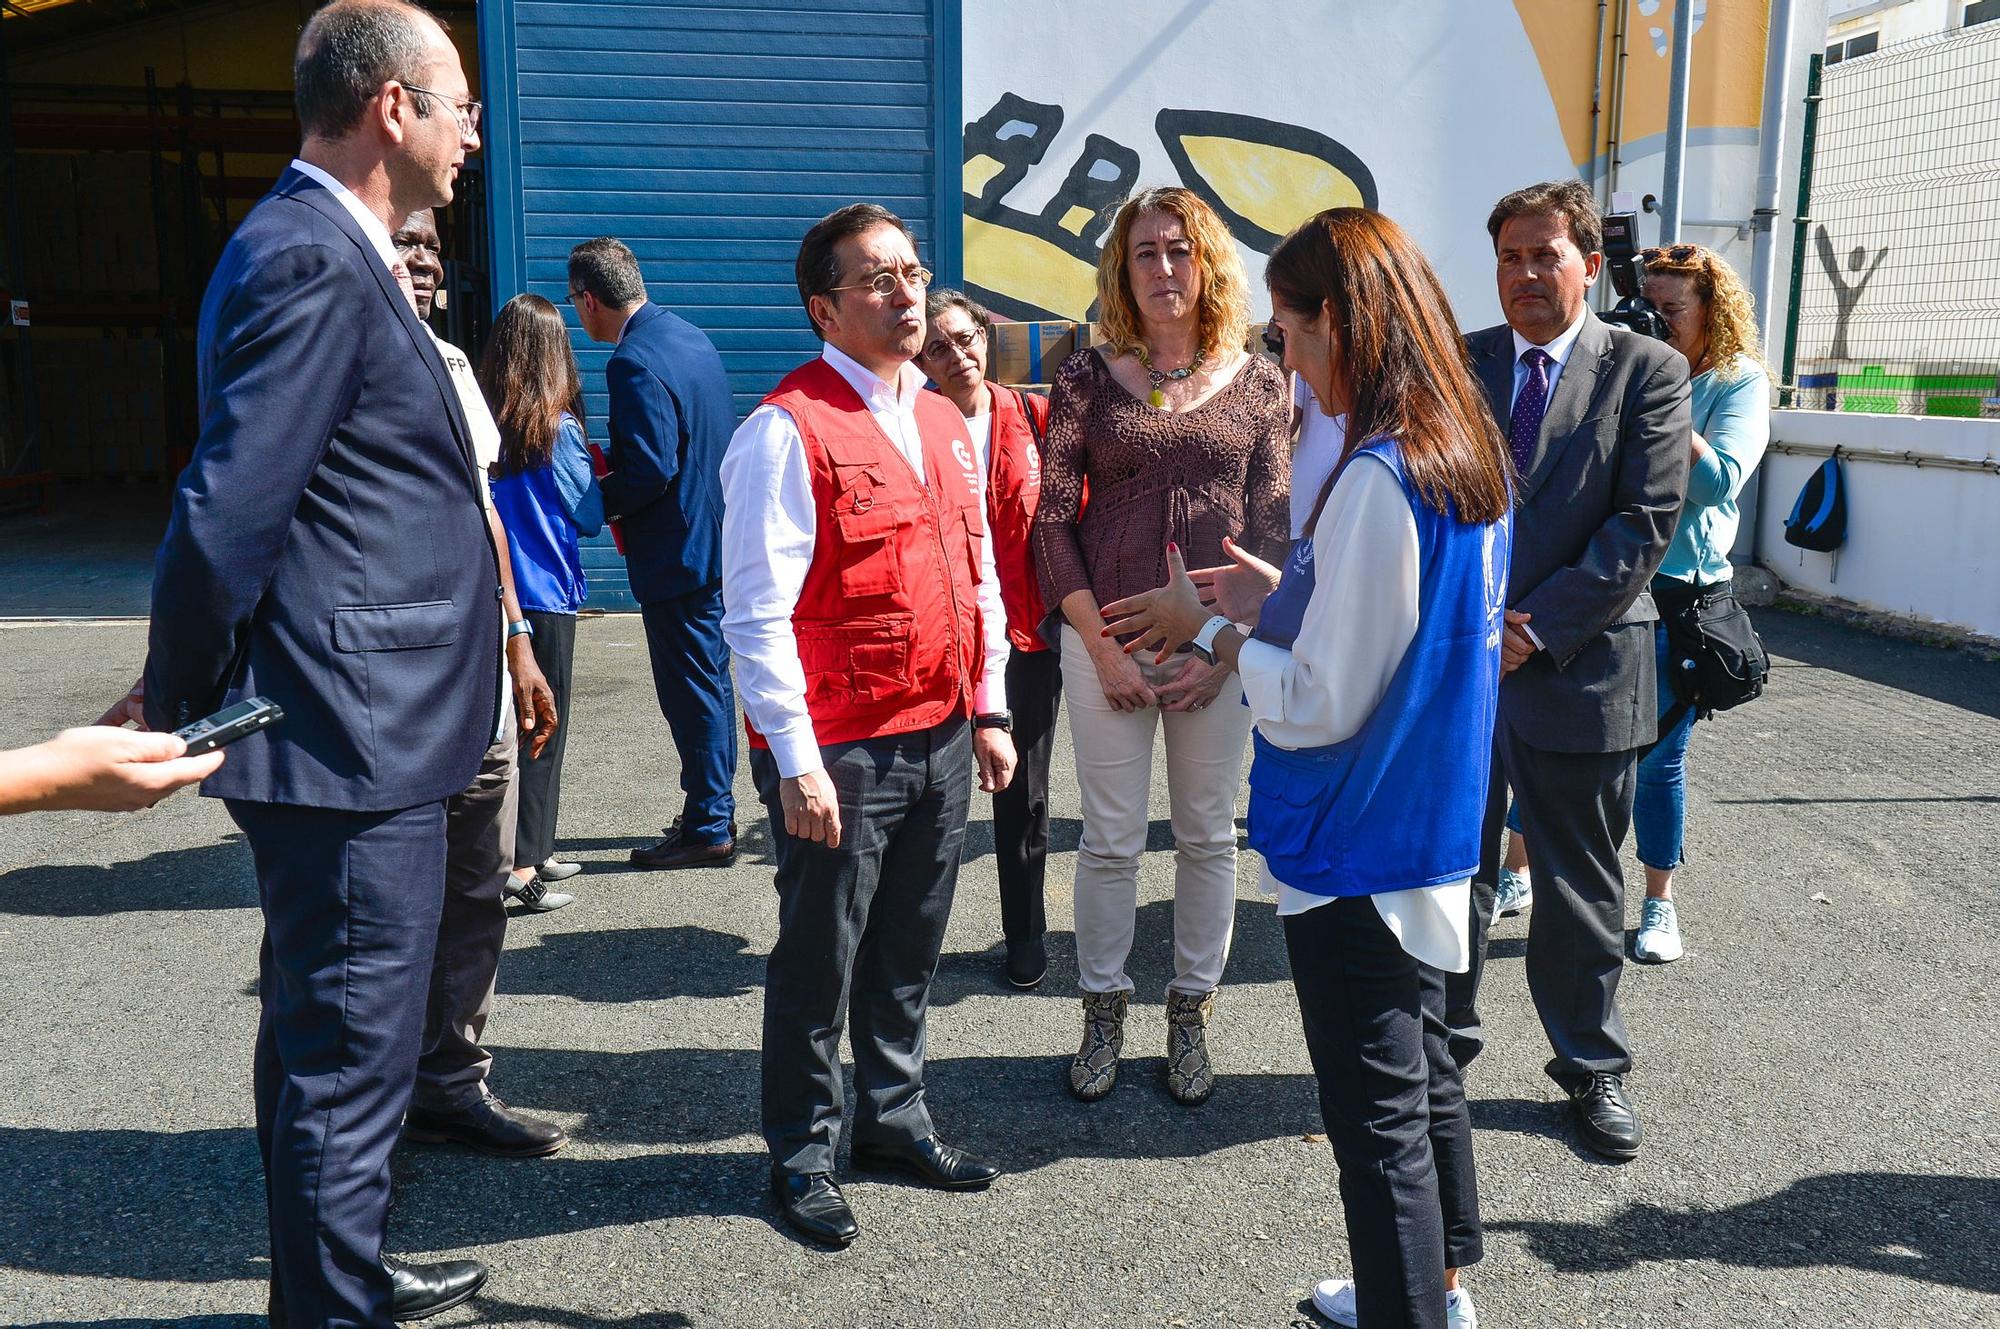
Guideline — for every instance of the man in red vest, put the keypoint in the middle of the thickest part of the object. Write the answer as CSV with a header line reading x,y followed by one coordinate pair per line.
x,y
871,645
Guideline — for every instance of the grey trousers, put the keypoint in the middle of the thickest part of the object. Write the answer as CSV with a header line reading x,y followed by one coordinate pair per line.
x,y
1575,808
479,856
859,931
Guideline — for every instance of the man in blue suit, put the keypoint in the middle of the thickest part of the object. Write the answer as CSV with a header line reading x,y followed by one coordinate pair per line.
x,y
328,550
671,420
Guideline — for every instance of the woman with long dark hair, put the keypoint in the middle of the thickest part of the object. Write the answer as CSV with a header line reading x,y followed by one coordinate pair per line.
x,y
1373,677
548,498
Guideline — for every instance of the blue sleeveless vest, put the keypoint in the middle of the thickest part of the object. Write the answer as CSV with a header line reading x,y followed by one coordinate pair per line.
x,y
548,565
1400,803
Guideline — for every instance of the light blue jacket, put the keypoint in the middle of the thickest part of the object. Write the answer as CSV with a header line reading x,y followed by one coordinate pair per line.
x,y
1734,417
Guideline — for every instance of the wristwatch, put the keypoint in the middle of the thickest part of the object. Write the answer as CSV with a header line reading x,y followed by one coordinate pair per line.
x,y
1204,640
1001,720
520,627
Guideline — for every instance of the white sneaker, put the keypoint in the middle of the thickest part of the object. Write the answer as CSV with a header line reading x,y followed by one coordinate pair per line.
x,y
1659,939
1514,894
1334,1298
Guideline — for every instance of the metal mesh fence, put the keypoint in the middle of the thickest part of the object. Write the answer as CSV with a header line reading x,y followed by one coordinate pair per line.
x,y
1898,308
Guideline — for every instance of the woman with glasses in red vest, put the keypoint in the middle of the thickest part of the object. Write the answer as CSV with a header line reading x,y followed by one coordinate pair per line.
x,y
1007,430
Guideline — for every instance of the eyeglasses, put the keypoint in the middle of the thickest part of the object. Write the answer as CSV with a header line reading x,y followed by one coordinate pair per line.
x,y
467,111
885,282
575,295
964,341
1674,253
1274,340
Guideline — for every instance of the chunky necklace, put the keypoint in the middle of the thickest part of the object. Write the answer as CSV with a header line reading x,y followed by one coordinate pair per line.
x,y
1158,396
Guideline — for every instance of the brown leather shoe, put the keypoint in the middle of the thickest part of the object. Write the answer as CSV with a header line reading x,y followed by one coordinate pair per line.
x,y
676,851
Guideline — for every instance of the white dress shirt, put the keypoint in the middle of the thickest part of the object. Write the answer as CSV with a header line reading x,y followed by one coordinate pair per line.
x,y
1321,437
769,524
371,225
1557,350
485,452
1357,626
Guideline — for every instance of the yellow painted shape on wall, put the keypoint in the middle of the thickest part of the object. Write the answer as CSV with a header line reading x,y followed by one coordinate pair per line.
x,y
1726,67
1269,185
1028,268
1076,219
979,172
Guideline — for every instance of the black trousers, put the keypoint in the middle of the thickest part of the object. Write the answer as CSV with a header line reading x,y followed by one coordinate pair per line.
x,y
1575,809
1021,810
859,931
541,777
1394,1105
351,906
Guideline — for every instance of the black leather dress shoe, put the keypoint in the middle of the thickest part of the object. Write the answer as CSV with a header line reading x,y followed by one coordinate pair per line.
x,y
1604,1117
424,1290
932,1161
814,1207
1027,963
489,1126
675,850
417,1291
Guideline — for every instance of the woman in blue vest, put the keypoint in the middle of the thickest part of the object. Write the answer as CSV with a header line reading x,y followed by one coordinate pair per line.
x,y
547,497
1371,665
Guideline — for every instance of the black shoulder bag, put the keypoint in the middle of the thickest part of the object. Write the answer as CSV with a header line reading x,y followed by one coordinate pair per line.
x,y
1715,659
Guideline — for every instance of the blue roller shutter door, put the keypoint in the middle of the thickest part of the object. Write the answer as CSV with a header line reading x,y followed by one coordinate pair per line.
x,y
708,137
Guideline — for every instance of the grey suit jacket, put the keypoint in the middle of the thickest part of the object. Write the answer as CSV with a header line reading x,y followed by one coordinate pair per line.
x,y
1597,507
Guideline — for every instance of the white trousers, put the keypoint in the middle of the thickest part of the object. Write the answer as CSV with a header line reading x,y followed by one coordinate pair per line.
x,y
1114,773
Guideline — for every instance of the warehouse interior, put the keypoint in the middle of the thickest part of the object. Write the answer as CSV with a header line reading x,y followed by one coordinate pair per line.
x,y
136,134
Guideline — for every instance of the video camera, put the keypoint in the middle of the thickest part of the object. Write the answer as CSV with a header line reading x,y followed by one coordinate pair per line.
x,y
1621,255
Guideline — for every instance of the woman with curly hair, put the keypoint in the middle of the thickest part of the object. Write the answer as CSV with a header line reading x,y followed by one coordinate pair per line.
x,y
1714,325
1181,437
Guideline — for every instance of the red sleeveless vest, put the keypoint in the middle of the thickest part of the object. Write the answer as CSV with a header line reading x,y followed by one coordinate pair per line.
x,y
1013,492
888,622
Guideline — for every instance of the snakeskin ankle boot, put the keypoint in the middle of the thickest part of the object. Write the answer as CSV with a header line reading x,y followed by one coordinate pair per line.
x,y
1190,1077
1094,1069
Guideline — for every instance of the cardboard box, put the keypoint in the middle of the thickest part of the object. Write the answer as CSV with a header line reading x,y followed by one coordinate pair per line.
x,y
1029,353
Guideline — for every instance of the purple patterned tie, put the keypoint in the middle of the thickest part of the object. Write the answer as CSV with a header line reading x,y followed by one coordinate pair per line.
x,y
1529,408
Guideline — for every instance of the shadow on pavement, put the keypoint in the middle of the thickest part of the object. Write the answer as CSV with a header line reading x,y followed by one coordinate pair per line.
x,y
1013,1109
184,1206
1913,1226
634,964
655,964
154,1322
188,1207
209,876
493,1311
1547,1118
1956,678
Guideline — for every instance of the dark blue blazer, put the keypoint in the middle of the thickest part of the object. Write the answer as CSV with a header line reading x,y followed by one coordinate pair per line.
x,y
327,547
671,418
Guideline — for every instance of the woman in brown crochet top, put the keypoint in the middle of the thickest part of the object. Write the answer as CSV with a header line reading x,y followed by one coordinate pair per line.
x,y
1182,438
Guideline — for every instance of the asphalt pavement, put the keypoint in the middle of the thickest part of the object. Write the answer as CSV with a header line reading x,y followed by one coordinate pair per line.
x,y
1816,1078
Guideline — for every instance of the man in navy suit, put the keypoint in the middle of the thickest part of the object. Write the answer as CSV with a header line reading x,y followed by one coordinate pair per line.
x,y
328,550
671,420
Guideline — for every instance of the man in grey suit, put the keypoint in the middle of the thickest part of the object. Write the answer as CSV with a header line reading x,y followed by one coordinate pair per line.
x,y
1597,419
